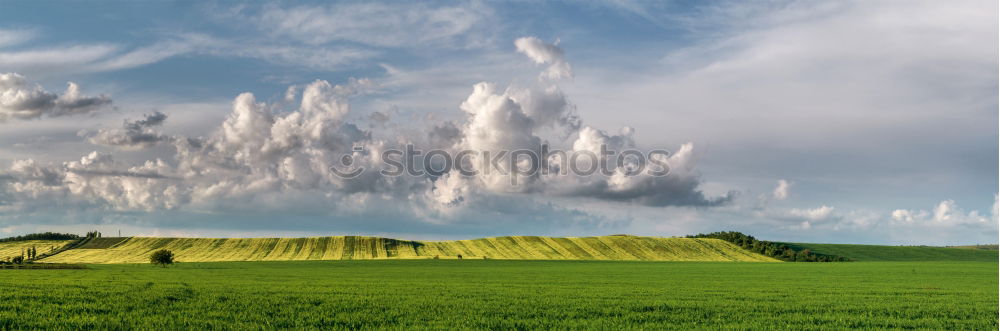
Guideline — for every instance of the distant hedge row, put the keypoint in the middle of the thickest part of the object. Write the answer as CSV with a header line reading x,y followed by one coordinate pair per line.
x,y
42,236
772,249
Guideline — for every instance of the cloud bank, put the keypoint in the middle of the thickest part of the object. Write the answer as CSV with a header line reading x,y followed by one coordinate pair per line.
x,y
277,158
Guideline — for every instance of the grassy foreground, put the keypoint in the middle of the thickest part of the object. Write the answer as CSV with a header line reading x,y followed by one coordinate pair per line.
x,y
901,253
138,249
450,294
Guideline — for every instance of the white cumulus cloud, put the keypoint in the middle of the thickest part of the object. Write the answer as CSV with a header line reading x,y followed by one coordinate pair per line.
x,y
20,99
548,54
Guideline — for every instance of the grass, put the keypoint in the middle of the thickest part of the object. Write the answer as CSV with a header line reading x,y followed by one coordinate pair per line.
x,y
138,249
499,294
14,248
900,253
41,266
992,247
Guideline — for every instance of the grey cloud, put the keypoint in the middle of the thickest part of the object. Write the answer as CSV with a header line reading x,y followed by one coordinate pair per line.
x,y
154,119
444,135
656,193
133,134
379,119
20,99
29,170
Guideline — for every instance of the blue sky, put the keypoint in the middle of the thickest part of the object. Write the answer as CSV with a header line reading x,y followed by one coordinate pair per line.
x,y
866,122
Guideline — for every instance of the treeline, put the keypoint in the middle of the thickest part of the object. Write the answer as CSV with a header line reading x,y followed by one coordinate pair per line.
x,y
42,236
772,249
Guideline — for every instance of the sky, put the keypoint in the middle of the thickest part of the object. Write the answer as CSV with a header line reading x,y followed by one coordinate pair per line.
x,y
869,122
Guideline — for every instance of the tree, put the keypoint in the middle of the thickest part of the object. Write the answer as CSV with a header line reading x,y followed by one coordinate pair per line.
x,y
42,236
776,250
162,257
459,256
17,260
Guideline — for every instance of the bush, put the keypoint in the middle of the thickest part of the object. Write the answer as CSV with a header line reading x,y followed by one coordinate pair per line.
x,y
162,257
772,249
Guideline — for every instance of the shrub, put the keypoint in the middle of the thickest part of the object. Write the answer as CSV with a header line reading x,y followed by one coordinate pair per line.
x,y
772,249
162,257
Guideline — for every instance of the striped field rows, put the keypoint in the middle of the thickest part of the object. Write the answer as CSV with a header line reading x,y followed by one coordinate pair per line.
x,y
138,249
14,248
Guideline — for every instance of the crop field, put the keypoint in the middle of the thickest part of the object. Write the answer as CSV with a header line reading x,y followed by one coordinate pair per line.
x,y
901,253
505,294
8,249
102,242
138,249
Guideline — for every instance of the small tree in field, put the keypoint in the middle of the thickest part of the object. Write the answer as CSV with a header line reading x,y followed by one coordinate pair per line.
x,y
162,257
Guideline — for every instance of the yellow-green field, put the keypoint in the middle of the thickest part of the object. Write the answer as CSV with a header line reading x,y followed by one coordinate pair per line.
x,y
14,248
138,249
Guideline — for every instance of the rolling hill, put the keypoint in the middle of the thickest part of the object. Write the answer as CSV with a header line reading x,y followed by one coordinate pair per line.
x,y
138,249
899,253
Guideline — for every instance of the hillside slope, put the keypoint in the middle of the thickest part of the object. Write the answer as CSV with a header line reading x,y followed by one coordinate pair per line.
x,y
138,249
12,248
899,253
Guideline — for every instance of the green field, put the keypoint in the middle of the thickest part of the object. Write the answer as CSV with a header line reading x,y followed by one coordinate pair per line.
x,y
499,294
621,247
525,282
900,253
